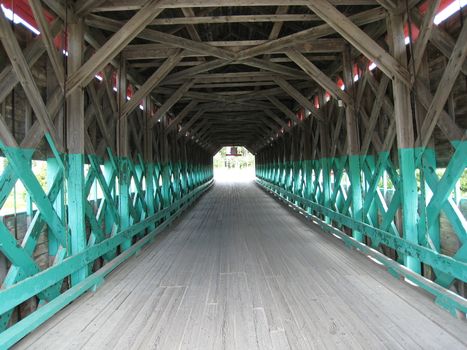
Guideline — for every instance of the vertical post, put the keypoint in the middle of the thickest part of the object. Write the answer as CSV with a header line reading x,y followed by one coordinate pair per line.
x,y
53,166
165,165
27,126
59,205
307,163
148,158
353,141
428,162
296,156
405,139
75,145
123,153
325,166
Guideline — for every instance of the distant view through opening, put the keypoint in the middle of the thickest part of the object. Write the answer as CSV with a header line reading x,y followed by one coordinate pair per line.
x,y
234,164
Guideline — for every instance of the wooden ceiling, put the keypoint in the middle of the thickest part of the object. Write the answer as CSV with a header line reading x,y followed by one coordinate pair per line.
x,y
234,71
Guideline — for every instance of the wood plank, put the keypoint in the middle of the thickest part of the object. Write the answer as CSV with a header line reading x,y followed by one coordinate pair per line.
x,y
236,19
301,100
172,100
445,86
360,40
26,79
317,75
114,45
150,84
122,5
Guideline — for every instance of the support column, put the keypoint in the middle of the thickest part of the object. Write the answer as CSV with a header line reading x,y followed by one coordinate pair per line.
x,y
307,162
165,165
427,224
53,166
123,153
405,139
149,159
75,145
324,159
353,141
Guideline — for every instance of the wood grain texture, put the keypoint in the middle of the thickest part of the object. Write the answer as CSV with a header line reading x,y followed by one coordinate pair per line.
x,y
240,272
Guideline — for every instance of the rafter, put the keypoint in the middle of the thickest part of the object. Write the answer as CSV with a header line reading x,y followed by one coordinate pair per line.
x,y
359,39
114,45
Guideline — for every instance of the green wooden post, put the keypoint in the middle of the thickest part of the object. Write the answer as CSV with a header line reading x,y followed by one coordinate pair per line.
x,y
149,160
405,140
353,144
53,168
325,168
75,144
123,154
166,166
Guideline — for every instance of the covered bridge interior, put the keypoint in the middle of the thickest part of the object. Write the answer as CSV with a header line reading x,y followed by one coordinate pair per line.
x,y
356,112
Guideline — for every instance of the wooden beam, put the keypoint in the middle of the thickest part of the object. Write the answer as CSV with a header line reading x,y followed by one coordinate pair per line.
x,y
439,38
278,120
77,145
179,118
389,5
190,123
35,49
151,83
26,80
161,37
237,19
297,95
48,40
317,75
283,108
362,18
114,45
155,51
405,140
172,100
124,5
360,40
445,86
123,146
425,33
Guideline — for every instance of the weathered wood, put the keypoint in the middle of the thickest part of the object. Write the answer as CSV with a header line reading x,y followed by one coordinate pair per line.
x,y
359,39
26,80
32,52
192,120
302,100
114,45
364,17
317,75
445,85
425,34
405,140
236,19
48,37
284,109
172,100
150,84
179,118
122,5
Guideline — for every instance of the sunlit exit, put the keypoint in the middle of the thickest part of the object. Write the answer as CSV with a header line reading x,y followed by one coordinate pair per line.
x,y
234,164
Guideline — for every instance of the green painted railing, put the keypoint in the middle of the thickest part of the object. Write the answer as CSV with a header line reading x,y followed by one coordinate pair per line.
x,y
86,236
18,293
448,265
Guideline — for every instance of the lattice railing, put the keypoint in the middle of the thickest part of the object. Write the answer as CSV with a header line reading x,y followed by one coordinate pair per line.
x,y
319,182
106,240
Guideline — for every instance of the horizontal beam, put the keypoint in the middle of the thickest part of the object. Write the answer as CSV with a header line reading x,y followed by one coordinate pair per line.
x,y
236,19
360,40
125,5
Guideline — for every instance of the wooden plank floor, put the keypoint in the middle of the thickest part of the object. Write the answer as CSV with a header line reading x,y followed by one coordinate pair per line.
x,y
239,271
